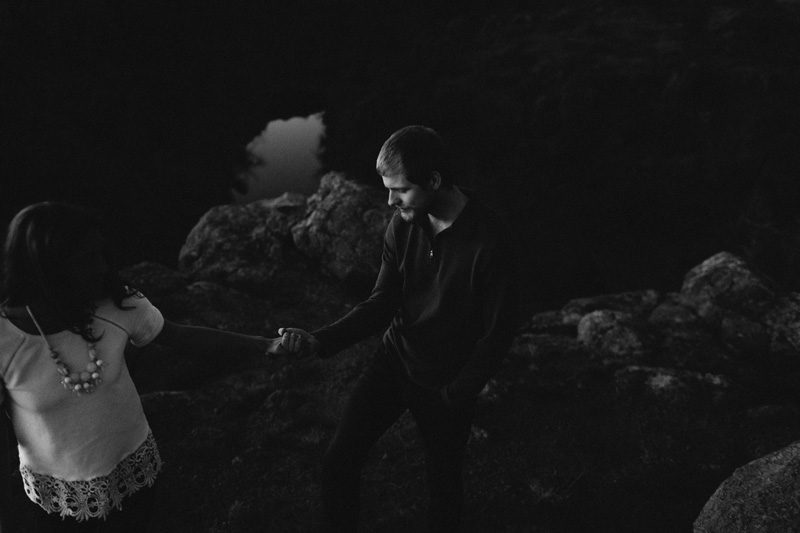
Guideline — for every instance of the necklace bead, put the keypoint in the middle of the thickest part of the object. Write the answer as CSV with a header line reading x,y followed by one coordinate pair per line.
x,y
84,382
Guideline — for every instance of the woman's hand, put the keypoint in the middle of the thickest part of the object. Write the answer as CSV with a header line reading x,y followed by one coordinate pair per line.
x,y
275,347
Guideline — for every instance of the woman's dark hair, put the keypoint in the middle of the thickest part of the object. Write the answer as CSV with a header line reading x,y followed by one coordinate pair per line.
x,y
419,151
40,238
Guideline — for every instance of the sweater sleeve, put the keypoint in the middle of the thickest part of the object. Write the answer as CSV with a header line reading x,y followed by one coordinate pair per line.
x,y
375,313
500,310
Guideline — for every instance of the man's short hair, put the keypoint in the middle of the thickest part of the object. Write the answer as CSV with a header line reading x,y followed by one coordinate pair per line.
x,y
418,151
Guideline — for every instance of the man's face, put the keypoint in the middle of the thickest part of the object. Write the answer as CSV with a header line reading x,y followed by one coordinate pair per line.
x,y
411,200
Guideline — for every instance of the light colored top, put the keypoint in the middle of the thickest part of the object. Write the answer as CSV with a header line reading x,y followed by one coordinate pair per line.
x,y
60,433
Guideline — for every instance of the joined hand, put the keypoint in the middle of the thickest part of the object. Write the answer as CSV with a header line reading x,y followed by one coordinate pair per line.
x,y
298,341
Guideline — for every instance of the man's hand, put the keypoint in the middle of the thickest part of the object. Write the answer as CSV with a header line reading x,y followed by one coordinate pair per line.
x,y
299,341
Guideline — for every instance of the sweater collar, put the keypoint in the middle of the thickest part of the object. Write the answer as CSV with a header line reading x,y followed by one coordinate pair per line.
x,y
466,220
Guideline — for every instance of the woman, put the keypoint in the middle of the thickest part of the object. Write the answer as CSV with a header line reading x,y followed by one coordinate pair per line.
x,y
86,452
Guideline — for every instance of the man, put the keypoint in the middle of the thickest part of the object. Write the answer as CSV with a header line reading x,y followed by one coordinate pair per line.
x,y
446,290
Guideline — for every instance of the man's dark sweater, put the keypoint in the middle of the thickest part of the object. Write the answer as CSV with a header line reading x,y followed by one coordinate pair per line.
x,y
450,300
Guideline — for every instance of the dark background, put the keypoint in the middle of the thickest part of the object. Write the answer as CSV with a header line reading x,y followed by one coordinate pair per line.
x,y
626,142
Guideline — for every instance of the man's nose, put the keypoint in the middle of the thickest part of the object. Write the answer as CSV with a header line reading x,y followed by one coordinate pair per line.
x,y
392,198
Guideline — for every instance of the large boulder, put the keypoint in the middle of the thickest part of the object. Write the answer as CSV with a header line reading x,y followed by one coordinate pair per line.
x,y
760,496
248,247
674,310
724,282
344,229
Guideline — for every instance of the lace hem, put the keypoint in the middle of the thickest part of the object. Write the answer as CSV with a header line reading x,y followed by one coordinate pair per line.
x,y
96,497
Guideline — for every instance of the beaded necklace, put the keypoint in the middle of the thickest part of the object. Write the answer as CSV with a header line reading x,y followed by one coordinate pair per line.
x,y
80,383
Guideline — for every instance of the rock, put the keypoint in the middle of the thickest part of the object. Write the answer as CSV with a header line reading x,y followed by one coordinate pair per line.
x,y
245,246
674,310
690,347
284,378
613,336
725,282
523,345
547,365
344,229
209,304
744,337
698,334
495,391
284,400
760,496
527,345
154,280
669,386
783,322
553,322
635,303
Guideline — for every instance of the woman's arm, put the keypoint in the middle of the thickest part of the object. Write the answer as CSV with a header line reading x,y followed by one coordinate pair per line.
x,y
209,341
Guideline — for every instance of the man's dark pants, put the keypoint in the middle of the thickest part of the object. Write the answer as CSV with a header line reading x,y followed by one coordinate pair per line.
x,y
379,398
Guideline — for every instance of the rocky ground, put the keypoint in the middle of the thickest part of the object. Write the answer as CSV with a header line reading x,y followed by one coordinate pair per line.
x,y
621,412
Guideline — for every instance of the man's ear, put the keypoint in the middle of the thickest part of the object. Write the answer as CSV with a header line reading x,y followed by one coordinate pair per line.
x,y
435,180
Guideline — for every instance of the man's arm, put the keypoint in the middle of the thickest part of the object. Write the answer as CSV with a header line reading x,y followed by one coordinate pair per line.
x,y
500,316
367,318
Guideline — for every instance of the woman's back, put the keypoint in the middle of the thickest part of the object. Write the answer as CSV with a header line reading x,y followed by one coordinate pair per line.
x,y
61,433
